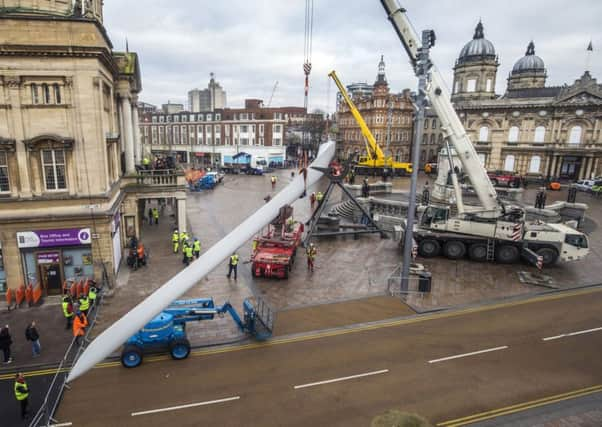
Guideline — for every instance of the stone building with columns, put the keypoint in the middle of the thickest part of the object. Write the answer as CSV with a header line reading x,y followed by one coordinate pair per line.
x,y
389,117
70,194
532,129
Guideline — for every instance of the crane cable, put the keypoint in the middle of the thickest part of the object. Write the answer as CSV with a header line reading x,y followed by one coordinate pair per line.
x,y
307,48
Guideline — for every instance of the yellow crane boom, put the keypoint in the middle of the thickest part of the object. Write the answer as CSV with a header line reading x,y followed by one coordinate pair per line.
x,y
376,158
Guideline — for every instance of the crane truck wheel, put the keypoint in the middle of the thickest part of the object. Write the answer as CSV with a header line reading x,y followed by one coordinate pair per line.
x,y
549,255
454,249
429,248
507,254
131,356
179,348
478,252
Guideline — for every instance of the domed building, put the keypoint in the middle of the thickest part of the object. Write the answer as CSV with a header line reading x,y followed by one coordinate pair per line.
x,y
475,70
528,72
532,129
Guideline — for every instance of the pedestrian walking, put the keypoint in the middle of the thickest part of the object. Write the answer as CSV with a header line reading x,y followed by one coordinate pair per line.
x,y
365,189
22,393
196,248
84,304
233,265
140,256
31,334
311,256
5,343
175,240
312,200
150,216
188,253
80,323
156,215
68,311
273,179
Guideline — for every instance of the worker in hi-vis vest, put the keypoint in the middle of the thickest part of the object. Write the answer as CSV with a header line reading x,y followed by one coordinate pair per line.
x,y
196,248
175,239
233,265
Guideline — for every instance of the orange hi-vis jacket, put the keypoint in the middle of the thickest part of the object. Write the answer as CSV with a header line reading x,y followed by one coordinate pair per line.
x,y
79,325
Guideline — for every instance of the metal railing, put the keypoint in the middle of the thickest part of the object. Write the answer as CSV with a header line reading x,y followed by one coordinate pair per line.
x,y
159,177
44,415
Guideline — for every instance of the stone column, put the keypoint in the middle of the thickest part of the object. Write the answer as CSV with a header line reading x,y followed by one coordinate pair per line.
x,y
128,134
16,129
181,208
553,168
137,140
558,166
595,167
590,164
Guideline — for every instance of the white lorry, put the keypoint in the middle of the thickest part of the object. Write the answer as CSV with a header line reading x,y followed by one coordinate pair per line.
x,y
494,231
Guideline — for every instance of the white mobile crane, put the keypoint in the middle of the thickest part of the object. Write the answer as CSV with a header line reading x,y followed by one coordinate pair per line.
x,y
494,230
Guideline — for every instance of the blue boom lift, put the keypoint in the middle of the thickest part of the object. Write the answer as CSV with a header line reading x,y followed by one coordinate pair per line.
x,y
168,329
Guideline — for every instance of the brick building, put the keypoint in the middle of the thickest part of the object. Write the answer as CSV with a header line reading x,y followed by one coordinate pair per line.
x,y
389,116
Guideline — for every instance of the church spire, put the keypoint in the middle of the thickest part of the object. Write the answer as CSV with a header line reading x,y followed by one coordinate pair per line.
x,y
380,77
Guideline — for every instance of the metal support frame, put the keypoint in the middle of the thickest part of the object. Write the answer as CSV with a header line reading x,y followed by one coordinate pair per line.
x,y
423,65
337,181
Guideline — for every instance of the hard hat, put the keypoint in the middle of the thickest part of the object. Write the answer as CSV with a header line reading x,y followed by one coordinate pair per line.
x,y
196,239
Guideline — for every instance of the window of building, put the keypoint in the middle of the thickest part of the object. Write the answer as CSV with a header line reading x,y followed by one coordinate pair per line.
x,y
244,128
154,134
513,134
244,141
34,94
540,133
260,140
277,128
161,119
426,123
53,165
483,134
261,129
575,135
535,164
471,85
509,163
434,124
277,141
154,119
227,130
457,87
217,130
57,93
218,116
4,184
176,119
209,117
433,136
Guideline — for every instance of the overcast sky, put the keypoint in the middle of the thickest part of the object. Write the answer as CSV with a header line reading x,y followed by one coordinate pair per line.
x,y
251,44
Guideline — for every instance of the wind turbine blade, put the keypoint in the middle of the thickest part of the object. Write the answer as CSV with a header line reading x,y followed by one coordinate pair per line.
x,y
135,319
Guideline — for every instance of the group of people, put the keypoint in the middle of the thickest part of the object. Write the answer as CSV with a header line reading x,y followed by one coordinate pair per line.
x,y
31,334
153,216
137,256
76,315
191,248
159,163
316,197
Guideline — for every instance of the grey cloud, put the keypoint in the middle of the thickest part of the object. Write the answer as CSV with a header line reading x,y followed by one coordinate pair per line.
x,y
251,44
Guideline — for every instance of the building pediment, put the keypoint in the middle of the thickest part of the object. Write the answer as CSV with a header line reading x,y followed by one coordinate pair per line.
x,y
49,141
585,90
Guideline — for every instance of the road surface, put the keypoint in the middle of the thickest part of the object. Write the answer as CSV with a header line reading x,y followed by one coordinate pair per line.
x,y
444,366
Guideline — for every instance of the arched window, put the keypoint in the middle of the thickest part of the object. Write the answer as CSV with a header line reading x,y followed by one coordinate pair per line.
x,y
433,136
46,93
422,156
471,85
484,134
513,134
440,139
540,133
575,136
482,158
57,93
34,94
534,164
509,163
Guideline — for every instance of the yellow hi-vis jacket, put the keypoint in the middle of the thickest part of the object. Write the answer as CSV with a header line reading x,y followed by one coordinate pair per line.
x,y
234,259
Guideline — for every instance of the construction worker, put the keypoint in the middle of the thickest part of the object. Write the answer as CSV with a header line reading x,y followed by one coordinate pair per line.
x,y
21,393
146,163
92,296
254,246
80,323
68,311
175,239
311,256
156,215
140,256
183,238
233,265
319,197
84,304
188,255
196,248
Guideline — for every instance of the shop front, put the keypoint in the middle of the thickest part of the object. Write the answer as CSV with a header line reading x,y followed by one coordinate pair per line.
x,y
50,257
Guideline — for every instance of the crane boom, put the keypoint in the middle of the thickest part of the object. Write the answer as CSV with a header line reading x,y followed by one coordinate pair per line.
x,y
439,98
373,148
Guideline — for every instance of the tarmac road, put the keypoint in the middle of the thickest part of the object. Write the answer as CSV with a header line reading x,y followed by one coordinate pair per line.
x,y
444,366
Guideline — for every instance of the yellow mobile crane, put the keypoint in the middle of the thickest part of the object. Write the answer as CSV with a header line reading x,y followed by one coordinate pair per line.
x,y
375,161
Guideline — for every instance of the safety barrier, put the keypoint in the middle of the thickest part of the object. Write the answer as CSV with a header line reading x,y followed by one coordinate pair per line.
x,y
44,415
